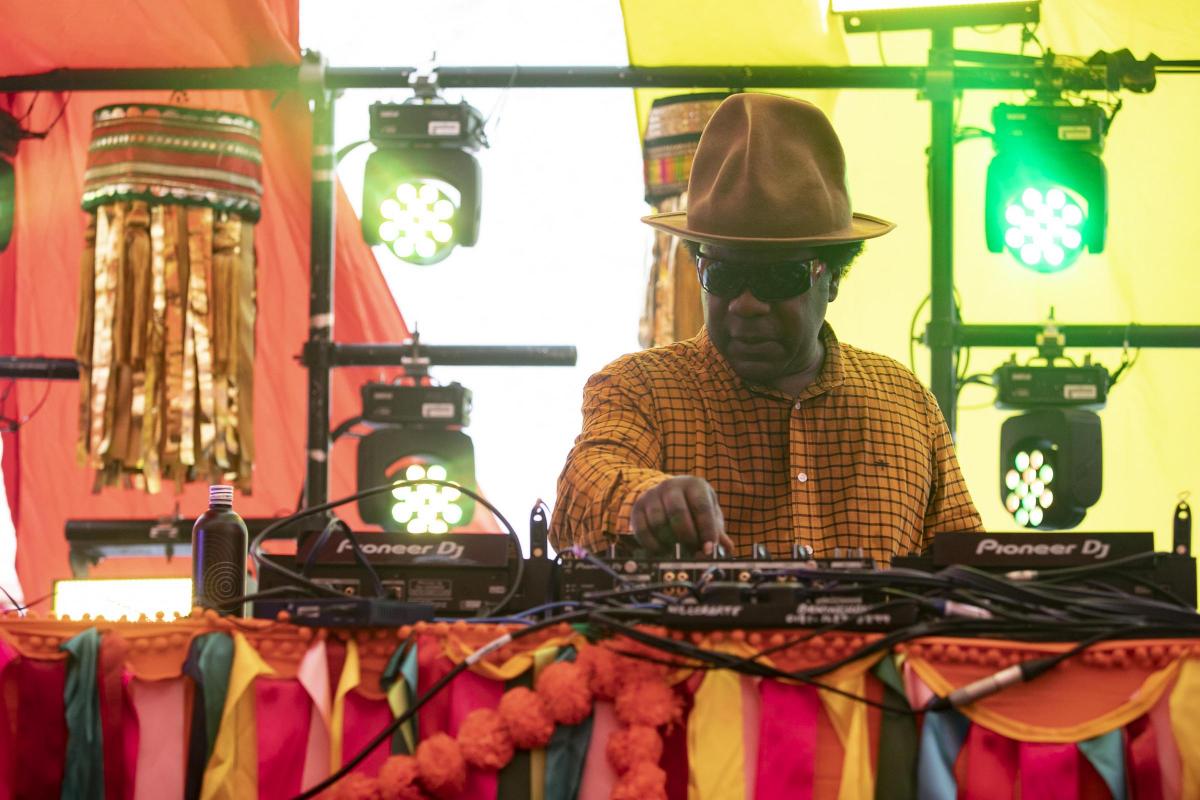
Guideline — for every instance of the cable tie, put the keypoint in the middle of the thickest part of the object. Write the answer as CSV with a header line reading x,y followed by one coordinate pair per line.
x,y
490,647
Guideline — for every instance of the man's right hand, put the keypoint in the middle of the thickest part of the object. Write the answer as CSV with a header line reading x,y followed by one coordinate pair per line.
x,y
681,509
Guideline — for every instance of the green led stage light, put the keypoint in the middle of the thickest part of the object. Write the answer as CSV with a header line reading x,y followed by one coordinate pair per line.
x,y
427,508
1051,467
10,136
1046,199
421,187
395,454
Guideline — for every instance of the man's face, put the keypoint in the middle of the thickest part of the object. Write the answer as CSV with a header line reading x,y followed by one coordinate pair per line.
x,y
765,341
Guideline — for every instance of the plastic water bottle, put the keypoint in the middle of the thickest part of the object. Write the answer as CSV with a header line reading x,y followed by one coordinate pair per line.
x,y
219,542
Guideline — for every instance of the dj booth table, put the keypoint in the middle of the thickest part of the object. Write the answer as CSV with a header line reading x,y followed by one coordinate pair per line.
x,y
218,708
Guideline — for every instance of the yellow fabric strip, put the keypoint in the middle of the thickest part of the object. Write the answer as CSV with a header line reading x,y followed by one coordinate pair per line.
x,y
351,677
1138,704
849,718
716,751
232,770
397,698
1185,723
457,650
542,657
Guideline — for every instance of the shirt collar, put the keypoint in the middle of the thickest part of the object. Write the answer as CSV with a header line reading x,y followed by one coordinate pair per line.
x,y
831,376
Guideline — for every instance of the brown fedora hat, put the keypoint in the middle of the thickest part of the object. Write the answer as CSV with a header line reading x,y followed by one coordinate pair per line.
x,y
769,171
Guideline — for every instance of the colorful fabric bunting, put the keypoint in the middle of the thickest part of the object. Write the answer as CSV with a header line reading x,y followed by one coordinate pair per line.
x,y
84,776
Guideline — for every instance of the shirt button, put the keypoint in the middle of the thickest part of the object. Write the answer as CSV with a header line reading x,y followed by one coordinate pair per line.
x,y
802,477
797,406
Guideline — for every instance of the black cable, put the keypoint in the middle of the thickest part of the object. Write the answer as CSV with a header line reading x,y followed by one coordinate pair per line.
x,y
10,425
341,430
736,663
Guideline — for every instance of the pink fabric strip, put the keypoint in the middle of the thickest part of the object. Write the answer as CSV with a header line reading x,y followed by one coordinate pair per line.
x,y
991,766
468,692
364,719
160,756
283,711
751,720
598,776
1048,771
132,736
787,741
7,734
918,693
1169,764
313,675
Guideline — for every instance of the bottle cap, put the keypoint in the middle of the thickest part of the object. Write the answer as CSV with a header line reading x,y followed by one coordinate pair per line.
x,y
220,495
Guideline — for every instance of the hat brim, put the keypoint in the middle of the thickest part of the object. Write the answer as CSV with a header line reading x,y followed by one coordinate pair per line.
x,y
862,226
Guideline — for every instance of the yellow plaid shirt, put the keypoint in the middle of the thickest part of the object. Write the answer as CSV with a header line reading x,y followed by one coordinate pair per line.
x,y
862,458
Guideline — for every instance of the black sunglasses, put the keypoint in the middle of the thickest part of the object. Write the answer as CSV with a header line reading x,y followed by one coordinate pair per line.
x,y
769,282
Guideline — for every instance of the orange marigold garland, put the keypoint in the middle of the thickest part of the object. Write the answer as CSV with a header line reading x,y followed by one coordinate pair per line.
x,y
644,781
441,766
564,687
526,717
648,702
629,746
484,740
600,665
357,786
398,779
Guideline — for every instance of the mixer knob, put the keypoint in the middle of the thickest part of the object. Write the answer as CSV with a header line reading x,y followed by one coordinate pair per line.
x,y
760,552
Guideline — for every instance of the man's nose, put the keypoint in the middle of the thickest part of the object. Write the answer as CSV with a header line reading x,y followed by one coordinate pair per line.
x,y
747,305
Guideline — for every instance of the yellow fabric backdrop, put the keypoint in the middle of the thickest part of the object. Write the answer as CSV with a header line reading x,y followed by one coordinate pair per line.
x,y
1147,274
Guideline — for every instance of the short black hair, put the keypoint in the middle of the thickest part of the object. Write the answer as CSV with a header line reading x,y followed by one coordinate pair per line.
x,y
838,257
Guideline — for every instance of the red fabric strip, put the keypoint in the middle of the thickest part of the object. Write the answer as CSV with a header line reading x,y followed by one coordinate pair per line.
x,y
364,719
675,756
434,716
41,725
989,763
1048,771
1141,758
467,693
118,720
787,741
8,733
284,712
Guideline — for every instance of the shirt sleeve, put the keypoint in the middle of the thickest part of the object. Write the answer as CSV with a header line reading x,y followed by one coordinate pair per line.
x,y
617,457
950,507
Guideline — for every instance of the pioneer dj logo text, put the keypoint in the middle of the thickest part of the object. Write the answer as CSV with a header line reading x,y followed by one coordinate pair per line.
x,y
1088,547
448,550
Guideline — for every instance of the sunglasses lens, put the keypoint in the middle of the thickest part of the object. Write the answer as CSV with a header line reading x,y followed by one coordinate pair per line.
x,y
723,280
781,281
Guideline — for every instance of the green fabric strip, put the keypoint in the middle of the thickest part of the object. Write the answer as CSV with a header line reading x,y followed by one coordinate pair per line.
x,y
1107,754
896,767
84,775
515,779
215,660
567,752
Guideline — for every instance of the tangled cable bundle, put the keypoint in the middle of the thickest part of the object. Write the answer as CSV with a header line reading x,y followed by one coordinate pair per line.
x,y
564,694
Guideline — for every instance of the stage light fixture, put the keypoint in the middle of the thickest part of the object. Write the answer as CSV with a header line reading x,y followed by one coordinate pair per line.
x,y
10,136
1051,467
420,437
1046,199
898,15
421,188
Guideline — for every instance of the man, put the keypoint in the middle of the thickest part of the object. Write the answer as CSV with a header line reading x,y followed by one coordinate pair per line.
x,y
763,428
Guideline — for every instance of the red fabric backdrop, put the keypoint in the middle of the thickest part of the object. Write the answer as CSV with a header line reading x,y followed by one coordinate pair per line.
x,y
39,271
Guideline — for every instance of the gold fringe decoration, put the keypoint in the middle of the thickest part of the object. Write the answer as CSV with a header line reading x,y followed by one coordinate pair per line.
x,y
165,344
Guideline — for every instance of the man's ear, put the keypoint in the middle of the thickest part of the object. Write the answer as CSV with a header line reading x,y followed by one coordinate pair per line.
x,y
834,281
